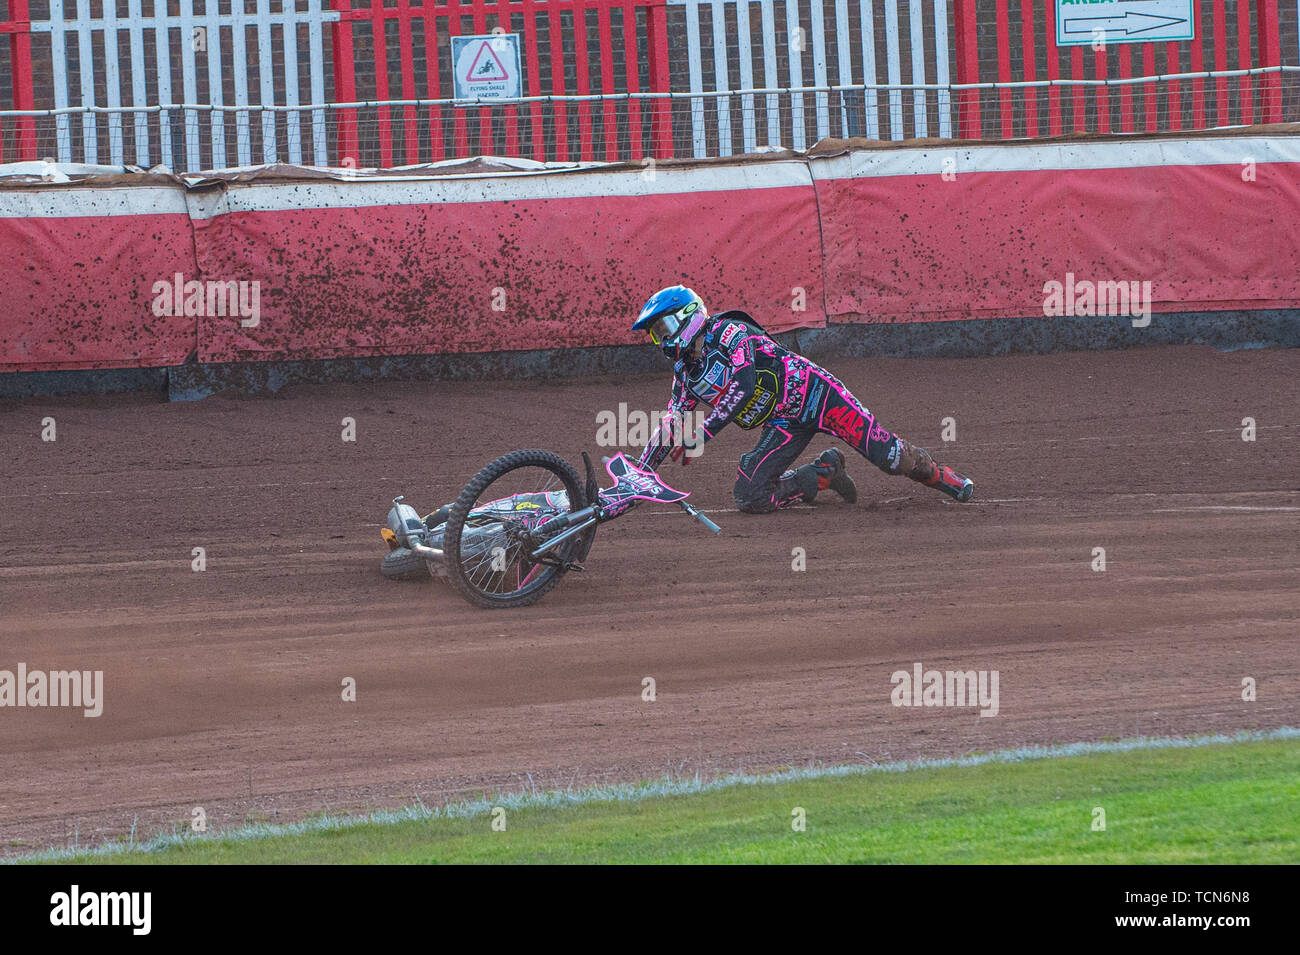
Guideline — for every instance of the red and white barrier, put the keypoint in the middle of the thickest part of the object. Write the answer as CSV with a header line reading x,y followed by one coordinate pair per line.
x,y
977,232
125,276
76,285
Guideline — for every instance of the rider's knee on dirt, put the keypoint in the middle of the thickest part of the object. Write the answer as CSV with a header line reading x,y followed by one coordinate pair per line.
x,y
792,487
751,499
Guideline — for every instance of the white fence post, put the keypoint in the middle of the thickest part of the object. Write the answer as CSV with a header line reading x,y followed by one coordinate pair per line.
x,y
112,84
695,66
216,94
721,80
162,50
267,78
190,85
315,52
843,57
770,80
941,67
818,34
794,36
59,56
870,97
139,96
292,120
180,29
895,70
89,129
822,100
921,123
748,121
239,55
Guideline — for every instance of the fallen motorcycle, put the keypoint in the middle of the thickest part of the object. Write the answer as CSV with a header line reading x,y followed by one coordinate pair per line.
x,y
519,526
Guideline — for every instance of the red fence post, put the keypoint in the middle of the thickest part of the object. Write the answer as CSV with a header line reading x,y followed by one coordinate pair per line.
x,y
511,112
1270,54
586,152
559,113
410,129
1027,52
532,65
1100,71
633,80
1004,67
657,40
1247,86
486,141
20,62
1079,98
1198,64
1053,71
609,124
1220,62
460,144
384,124
1125,91
1173,64
345,84
1150,91
433,81
968,68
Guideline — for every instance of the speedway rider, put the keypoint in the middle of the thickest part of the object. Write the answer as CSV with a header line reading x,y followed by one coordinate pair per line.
x,y
731,364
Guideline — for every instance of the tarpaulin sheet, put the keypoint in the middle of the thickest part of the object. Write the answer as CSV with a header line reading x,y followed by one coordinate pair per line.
x,y
910,237
77,288
504,258
513,274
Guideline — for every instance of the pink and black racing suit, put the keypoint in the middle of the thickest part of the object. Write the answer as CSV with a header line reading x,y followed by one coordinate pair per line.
x,y
749,379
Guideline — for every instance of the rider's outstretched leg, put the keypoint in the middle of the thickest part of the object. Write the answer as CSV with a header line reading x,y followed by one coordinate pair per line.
x,y
844,416
917,464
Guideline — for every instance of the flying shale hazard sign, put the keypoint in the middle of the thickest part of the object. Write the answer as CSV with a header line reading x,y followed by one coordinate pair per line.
x,y
486,67
1089,22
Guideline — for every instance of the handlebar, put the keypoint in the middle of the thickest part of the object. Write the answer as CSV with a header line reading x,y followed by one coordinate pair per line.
x,y
700,517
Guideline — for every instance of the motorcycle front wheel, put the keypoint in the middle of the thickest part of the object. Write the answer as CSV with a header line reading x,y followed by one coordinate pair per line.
x,y
485,541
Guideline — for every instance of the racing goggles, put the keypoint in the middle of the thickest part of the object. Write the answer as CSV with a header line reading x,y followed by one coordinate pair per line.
x,y
665,328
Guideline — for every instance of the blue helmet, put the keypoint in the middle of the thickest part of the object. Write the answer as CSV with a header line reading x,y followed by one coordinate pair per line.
x,y
674,317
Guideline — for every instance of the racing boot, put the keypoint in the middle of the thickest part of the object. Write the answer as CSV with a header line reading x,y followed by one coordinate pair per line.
x,y
804,482
831,474
917,464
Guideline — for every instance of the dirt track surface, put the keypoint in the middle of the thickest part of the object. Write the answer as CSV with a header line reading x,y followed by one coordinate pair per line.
x,y
222,688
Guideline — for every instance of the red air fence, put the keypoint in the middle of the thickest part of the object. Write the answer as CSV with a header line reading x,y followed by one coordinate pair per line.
x,y
473,263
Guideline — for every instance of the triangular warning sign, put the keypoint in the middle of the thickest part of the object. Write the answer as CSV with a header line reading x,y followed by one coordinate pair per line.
x,y
488,70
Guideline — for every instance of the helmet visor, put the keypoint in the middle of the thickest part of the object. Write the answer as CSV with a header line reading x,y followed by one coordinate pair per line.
x,y
662,329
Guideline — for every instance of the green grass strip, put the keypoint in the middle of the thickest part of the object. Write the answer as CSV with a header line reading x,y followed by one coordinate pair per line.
x,y
1198,800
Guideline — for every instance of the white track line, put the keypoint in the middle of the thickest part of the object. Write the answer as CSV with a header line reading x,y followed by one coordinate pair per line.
x,y
1222,507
